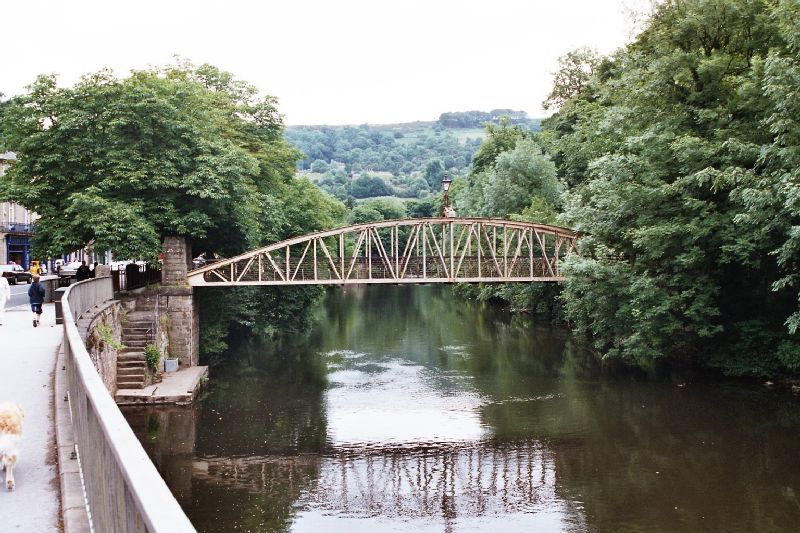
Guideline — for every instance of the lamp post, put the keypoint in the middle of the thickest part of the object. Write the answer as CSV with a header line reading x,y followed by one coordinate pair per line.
x,y
447,210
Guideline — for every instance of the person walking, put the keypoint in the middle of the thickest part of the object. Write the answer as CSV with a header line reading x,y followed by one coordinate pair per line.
x,y
5,295
36,293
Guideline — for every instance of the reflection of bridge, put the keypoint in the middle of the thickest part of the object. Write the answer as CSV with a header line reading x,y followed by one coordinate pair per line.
x,y
450,481
427,250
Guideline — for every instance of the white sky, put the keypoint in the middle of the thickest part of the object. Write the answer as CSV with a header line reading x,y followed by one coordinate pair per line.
x,y
328,61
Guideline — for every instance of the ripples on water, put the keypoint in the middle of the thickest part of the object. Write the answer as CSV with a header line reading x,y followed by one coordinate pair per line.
x,y
405,411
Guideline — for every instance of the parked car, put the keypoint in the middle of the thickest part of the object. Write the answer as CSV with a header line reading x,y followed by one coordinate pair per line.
x,y
14,274
69,270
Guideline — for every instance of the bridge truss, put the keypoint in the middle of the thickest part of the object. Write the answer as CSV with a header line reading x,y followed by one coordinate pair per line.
x,y
423,250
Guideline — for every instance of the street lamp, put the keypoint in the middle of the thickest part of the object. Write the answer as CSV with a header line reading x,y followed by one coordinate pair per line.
x,y
447,210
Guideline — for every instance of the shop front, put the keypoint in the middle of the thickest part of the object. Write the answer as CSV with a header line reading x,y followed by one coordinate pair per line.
x,y
18,250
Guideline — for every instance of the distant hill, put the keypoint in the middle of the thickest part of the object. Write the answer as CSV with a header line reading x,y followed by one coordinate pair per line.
x,y
350,161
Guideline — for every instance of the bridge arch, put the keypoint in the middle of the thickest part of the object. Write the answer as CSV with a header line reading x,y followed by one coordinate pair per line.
x,y
420,250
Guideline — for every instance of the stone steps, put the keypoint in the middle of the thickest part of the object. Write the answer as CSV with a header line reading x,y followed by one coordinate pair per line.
x,y
136,336
137,332
130,343
130,357
127,374
130,384
132,349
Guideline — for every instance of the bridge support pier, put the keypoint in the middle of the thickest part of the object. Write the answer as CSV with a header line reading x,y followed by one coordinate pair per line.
x,y
177,308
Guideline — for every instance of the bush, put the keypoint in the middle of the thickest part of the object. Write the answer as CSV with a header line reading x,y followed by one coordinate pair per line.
x,y
152,355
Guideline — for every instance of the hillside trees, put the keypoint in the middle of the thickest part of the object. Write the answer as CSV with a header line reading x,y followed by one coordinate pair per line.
x,y
678,151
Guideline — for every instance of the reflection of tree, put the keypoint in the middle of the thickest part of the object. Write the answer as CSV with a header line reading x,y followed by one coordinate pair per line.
x,y
168,435
260,403
666,458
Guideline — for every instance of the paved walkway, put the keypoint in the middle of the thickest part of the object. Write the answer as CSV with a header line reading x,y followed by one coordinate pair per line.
x,y
27,360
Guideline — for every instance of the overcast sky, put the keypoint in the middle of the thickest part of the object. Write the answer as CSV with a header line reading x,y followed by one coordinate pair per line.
x,y
327,61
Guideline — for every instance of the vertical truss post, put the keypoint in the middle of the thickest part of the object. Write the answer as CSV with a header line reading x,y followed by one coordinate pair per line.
x,y
315,260
452,252
478,245
424,252
505,251
368,250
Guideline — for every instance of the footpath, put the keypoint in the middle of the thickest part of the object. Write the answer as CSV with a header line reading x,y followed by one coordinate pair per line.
x,y
27,360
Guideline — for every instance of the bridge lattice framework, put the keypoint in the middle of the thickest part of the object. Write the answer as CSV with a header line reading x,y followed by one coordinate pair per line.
x,y
426,250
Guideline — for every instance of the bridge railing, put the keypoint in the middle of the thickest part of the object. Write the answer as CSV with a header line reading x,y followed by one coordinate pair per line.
x,y
124,490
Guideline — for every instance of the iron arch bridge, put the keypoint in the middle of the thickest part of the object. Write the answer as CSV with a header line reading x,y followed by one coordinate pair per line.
x,y
420,250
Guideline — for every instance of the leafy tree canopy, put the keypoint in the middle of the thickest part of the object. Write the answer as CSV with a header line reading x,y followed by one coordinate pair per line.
x,y
181,150
681,157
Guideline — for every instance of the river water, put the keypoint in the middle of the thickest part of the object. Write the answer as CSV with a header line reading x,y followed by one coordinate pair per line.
x,y
407,408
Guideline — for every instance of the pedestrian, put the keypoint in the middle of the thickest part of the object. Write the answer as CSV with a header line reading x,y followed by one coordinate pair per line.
x,y
5,295
36,294
83,272
93,271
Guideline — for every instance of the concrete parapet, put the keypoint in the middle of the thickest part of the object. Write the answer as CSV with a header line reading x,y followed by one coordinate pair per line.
x,y
73,504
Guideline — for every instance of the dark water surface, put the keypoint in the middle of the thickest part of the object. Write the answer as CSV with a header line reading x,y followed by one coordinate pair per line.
x,y
409,409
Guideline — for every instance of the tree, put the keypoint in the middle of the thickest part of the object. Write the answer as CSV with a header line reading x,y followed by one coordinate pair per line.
x,y
678,153
575,69
366,186
500,138
319,166
434,172
123,162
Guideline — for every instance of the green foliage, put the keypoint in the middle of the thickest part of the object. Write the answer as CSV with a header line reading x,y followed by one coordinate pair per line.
x,y
106,334
518,177
182,150
401,149
377,209
366,186
681,155
152,355
476,119
575,70
499,138
278,313
421,208
319,166
434,173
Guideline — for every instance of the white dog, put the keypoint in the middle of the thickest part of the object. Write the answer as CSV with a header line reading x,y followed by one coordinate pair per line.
x,y
11,416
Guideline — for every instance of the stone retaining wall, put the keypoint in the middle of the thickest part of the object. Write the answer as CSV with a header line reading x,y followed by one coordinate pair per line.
x,y
101,331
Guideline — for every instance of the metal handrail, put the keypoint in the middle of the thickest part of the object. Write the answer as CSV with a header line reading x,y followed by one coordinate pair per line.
x,y
124,490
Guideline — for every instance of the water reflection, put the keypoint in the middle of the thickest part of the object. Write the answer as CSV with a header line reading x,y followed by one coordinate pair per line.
x,y
405,410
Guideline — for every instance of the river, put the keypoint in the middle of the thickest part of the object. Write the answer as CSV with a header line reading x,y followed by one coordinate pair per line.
x,y
407,408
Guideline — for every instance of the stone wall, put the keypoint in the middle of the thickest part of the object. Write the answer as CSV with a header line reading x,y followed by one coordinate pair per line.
x,y
177,303
101,331
177,260
179,324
